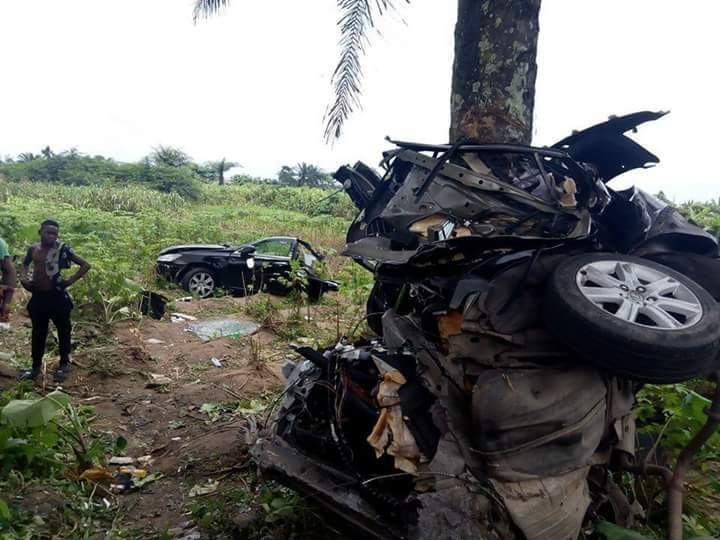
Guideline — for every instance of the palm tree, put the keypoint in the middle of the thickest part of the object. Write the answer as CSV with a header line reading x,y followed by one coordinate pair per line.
x,y
304,174
310,175
26,156
493,80
221,167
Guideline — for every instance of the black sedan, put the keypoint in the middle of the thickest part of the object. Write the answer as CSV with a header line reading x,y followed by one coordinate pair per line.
x,y
263,265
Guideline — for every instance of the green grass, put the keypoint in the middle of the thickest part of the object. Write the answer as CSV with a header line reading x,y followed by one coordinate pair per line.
x,y
121,230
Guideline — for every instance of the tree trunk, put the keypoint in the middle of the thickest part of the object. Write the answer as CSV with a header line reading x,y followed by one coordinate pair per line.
x,y
493,85
221,172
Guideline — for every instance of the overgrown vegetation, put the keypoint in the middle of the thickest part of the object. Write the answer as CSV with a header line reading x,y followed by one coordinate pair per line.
x,y
165,169
47,449
121,228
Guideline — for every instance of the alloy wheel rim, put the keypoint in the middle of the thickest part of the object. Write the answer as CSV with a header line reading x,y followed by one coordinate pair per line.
x,y
201,284
639,295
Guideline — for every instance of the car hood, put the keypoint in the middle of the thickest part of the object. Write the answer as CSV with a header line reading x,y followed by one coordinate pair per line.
x,y
606,146
195,247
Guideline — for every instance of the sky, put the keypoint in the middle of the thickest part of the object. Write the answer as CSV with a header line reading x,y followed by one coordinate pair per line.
x,y
119,77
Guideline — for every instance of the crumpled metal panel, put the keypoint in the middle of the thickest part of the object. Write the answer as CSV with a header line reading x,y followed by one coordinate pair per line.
x,y
324,484
453,512
532,423
548,508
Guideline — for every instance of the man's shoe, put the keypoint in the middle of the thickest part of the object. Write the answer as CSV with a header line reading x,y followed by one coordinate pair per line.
x,y
61,372
28,375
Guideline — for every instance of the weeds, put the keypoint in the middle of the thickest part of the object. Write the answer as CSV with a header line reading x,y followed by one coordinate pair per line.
x,y
260,510
45,444
262,309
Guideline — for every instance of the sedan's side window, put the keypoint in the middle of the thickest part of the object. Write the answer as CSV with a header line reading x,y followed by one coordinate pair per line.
x,y
274,247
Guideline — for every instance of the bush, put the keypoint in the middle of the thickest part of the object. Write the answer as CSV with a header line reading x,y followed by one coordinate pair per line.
x,y
131,199
180,180
309,201
75,170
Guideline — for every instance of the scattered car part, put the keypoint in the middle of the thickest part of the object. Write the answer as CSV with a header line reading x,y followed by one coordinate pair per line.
x,y
153,304
633,317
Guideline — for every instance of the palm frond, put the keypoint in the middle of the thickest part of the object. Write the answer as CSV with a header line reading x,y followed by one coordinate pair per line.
x,y
205,8
356,17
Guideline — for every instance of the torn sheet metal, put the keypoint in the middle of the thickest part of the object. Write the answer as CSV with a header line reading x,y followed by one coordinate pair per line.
x,y
534,423
551,508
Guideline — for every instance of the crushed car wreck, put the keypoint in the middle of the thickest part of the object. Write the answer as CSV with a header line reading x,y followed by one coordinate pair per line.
x,y
520,303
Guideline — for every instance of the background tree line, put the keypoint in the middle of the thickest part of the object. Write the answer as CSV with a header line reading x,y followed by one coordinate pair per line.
x,y
166,169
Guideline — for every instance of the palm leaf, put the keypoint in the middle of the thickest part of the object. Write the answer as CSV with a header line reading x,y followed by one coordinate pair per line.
x,y
356,17
205,8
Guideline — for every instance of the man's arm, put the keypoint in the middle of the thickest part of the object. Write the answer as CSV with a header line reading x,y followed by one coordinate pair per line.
x,y
84,268
9,281
25,271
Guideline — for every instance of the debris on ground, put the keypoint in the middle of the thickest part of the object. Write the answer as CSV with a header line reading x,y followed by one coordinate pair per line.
x,y
153,304
128,478
121,460
182,317
157,380
198,490
210,329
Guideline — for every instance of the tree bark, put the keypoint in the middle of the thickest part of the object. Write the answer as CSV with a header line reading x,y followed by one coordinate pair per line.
x,y
221,172
493,84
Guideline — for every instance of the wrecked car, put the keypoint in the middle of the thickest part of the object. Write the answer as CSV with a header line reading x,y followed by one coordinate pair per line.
x,y
276,265
519,305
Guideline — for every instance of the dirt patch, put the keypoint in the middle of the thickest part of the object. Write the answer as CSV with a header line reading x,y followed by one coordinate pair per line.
x,y
186,444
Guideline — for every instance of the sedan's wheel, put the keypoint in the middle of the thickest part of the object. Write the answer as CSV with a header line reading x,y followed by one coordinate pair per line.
x,y
200,282
639,294
633,317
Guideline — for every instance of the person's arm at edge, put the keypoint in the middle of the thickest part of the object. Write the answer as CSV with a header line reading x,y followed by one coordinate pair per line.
x,y
84,268
9,281
25,271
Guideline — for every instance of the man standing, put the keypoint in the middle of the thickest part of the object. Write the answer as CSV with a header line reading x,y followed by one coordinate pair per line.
x,y
50,300
7,285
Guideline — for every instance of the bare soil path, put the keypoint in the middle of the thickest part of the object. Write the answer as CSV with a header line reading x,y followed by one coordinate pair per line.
x,y
188,444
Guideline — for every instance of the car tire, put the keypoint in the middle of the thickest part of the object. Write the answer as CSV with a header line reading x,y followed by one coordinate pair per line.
x,y
199,281
633,317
